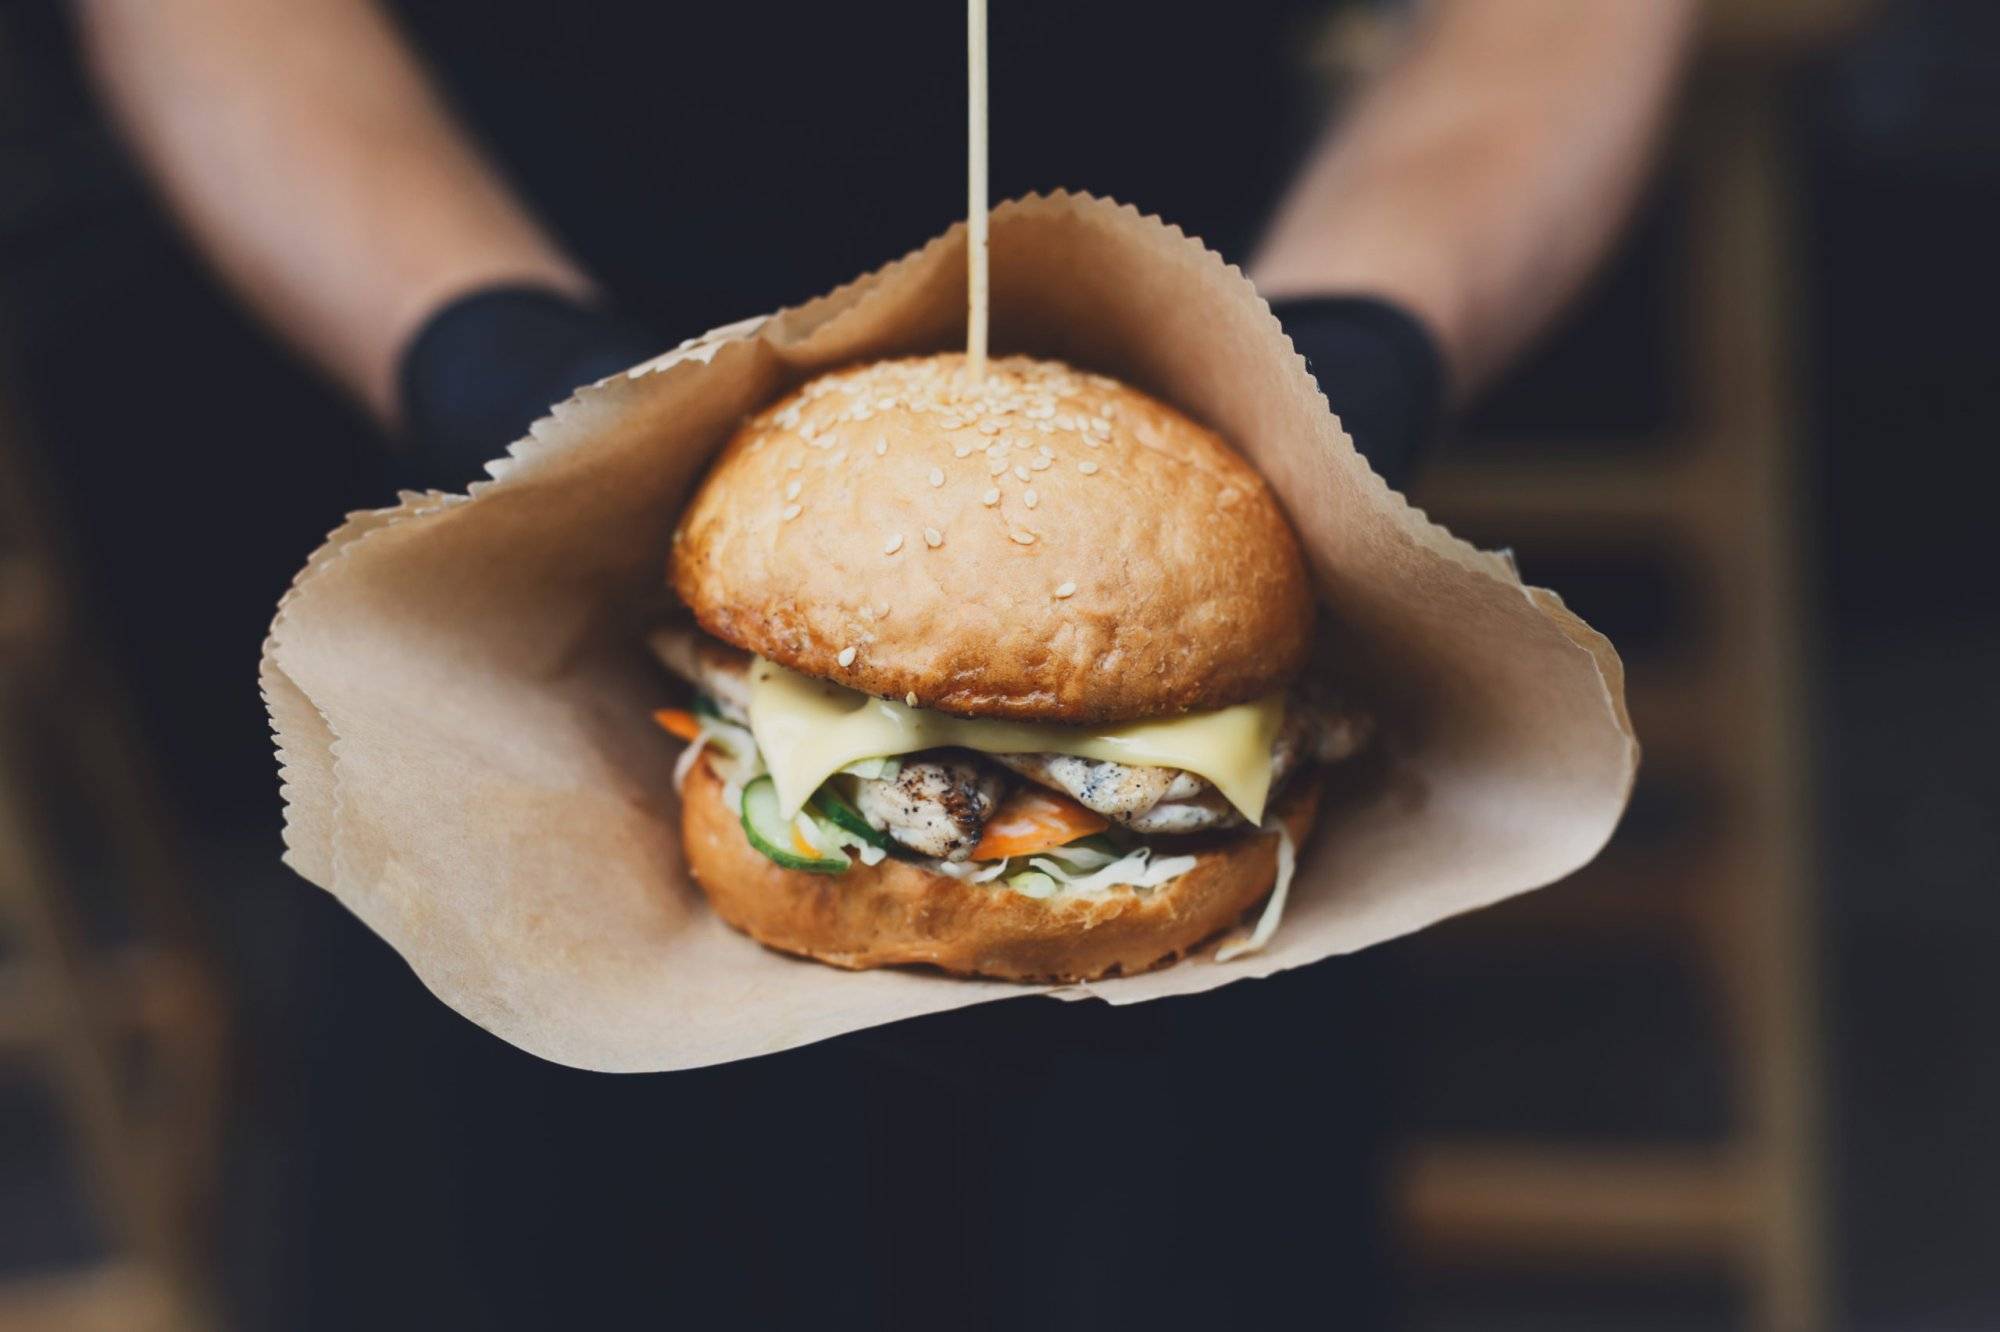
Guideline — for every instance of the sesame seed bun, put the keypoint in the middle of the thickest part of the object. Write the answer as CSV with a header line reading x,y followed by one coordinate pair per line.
x,y
897,912
1049,545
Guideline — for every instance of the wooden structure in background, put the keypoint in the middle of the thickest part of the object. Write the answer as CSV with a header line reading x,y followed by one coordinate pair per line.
x,y
130,1038
1725,710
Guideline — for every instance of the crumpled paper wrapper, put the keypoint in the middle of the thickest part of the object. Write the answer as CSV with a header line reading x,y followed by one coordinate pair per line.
x,y
460,693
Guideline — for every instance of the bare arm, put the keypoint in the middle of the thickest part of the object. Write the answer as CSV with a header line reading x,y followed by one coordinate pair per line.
x,y
1484,173
301,145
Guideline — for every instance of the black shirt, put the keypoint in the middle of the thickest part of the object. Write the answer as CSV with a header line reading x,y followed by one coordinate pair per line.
x,y
712,161
1188,1162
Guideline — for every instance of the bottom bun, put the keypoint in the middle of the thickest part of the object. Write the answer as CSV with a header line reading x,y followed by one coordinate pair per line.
x,y
896,912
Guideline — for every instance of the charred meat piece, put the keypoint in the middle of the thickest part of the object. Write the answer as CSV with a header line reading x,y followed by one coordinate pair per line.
x,y
936,805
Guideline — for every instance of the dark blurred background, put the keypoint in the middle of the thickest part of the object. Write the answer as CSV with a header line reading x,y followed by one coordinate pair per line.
x,y
1743,1072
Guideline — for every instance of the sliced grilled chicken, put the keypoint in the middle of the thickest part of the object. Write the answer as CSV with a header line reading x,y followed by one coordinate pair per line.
x,y
1115,790
1202,812
1128,794
936,805
933,803
1168,800
714,667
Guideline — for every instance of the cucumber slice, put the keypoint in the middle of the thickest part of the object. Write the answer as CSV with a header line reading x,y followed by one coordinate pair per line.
x,y
771,832
846,817
875,769
1032,883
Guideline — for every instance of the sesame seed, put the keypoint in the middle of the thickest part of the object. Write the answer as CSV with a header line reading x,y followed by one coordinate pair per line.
x,y
1087,467
1041,464
1066,590
933,538
1020,471
991,497
936,477
881,446
911,698
962,451
990,427
795,464
995,467
846,657
791,490
893,544
1030,498
1022,538
791,511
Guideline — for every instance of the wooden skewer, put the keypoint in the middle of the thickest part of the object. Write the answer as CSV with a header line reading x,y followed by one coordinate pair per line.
x,y
976,292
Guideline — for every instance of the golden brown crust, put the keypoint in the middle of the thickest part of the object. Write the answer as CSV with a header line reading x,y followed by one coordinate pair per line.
x,y
896,912
1061,549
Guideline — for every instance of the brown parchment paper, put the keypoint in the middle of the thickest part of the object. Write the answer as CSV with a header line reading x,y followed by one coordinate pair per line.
x,y
460,696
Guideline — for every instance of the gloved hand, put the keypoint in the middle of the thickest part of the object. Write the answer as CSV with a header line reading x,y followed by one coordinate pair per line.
x,y
1380,370
490,363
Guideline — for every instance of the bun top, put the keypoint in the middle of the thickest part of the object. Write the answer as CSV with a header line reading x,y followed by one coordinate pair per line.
x,y
1043,545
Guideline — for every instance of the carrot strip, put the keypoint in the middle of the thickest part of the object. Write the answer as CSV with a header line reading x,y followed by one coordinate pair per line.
x,y
682,723
1035,819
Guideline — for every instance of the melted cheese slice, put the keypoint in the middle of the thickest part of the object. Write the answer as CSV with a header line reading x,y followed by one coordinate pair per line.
x,y
810,729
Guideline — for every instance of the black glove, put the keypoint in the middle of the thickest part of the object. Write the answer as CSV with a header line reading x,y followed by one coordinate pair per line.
x,y
490,363
1380,370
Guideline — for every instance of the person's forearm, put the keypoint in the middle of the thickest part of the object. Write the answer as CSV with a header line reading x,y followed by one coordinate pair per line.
x,y
303,148
1483,174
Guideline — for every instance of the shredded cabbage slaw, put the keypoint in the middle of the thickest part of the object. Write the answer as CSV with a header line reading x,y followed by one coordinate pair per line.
x,y
1274,908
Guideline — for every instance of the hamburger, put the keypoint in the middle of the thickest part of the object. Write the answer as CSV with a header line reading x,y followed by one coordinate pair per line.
x,y
1000,673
